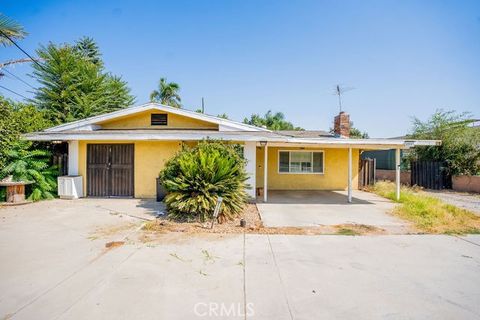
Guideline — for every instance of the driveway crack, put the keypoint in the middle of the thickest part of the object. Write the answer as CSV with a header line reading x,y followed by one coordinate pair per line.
x,y
280,278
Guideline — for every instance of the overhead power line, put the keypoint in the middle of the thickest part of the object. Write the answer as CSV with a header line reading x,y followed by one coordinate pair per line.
x,y
19,79
19,48
18,94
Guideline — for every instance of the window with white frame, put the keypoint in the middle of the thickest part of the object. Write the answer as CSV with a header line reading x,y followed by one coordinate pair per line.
x,y
300,161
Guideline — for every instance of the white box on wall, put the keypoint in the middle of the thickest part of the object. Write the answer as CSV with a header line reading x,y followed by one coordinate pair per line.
x,y
70,187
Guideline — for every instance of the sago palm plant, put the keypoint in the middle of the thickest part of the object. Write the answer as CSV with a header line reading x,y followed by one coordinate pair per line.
x,y
196,177
33,166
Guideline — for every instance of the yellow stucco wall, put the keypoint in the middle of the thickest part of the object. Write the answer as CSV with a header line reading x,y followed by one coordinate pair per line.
x,y
335,176
142,121
149,159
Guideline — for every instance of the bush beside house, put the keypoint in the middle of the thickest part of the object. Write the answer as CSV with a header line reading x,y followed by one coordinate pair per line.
x,y
197,176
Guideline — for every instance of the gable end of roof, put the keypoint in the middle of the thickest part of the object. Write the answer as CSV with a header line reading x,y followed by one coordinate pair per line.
x,y
91,123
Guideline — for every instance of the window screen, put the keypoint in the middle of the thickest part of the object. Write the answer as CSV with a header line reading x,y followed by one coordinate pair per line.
x,y
300,162
318,162
284,161
159,119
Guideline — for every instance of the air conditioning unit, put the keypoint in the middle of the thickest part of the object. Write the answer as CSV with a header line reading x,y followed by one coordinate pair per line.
x,y
70,187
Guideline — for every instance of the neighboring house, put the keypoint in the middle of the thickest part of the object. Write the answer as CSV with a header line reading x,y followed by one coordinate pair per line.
x,y
384,159
120,154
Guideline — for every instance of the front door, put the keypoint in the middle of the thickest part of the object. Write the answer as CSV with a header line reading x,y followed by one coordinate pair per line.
x,y
110,170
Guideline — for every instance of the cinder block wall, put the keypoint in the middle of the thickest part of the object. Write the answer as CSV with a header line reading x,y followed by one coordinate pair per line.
x,y
466,183
389,175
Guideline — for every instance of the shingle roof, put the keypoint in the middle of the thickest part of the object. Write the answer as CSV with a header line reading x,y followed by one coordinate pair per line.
x,y
306,133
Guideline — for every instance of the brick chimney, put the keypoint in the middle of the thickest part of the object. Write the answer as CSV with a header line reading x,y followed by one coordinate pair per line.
x,y
341,125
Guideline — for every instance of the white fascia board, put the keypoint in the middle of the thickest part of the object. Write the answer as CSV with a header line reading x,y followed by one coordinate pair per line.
x,y
424,142
225,135
80,124
61,136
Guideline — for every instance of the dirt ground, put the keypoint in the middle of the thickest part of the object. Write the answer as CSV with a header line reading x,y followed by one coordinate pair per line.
x,y
254,225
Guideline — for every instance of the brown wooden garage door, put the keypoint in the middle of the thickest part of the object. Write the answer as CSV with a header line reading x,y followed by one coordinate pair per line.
x,y
110,170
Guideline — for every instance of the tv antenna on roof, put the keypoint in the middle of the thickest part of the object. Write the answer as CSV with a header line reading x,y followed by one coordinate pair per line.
x,y
339,90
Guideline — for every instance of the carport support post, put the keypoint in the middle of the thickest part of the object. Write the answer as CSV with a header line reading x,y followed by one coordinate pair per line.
x,y
349,175
73,157
265,173
250,152
397,173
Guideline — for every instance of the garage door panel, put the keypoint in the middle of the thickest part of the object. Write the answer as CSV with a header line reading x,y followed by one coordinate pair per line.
x,y
110,170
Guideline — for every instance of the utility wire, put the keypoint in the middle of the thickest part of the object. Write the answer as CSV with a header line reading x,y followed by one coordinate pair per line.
x,y
19,48
18,94
19,79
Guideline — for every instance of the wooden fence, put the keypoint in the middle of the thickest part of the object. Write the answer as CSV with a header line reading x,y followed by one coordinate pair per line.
x,y
367,173
430,175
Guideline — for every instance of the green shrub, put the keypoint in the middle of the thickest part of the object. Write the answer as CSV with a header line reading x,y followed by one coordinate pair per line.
x,y
31,165
195,177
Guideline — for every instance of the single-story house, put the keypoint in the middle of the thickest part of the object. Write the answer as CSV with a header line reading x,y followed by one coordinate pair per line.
x,y
120,154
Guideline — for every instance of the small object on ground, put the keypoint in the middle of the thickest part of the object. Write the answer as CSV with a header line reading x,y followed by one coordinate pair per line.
x,y
243,223
160,213
260,192
217,210
114,244
15,191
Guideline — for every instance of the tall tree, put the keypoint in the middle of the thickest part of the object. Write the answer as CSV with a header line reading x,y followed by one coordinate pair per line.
x,y
273,121
11,29
74,85
167,94
88,49
460,147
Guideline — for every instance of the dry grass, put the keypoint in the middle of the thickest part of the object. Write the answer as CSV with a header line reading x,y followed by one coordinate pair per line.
x,y
108,231
254,225
428,214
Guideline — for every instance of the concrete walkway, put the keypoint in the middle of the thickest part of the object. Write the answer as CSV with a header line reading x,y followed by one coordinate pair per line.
x,y
314,208
462,200
55,266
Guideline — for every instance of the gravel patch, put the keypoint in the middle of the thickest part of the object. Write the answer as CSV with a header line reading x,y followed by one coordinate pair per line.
x,y
462,200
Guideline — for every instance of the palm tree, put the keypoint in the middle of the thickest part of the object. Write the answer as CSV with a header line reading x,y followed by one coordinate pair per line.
x,y
167,94
10,28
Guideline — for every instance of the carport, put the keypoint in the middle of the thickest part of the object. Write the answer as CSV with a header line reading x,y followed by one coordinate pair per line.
x,y
326,208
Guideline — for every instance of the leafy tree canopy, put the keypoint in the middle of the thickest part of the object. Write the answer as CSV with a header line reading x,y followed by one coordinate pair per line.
x,y
167,94
460,147
17,118
357,134
74,84
273,121
88,49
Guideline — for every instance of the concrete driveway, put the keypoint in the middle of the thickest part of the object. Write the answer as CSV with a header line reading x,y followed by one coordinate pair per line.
x,y
324,208
54,265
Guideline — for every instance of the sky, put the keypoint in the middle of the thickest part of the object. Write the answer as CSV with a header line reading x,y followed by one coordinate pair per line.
x,y
402,58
